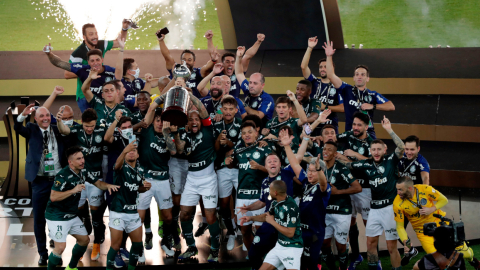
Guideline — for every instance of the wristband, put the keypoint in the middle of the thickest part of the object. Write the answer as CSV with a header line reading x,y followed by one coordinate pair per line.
x,y
306,139
319,170
207,121
124,29
157,100
213,61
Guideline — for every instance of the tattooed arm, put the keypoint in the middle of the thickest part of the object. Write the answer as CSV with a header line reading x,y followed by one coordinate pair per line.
x,y
179,143
55,60
348,164
199,105
398,142
167,128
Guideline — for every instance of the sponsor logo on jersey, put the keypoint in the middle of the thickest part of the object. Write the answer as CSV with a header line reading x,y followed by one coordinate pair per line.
x,y
132,187
244,166
158,148
333,207
157,173
198,164
130,207
248,191
378,181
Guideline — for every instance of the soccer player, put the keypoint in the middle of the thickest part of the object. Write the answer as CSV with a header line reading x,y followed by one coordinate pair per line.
x,y
358,96
311,106
95,61
62,208
257,101
381,173
155,147
123,209
266,236
322,89
250,160
229,65
418,203
284,216
339,209
227,132
413,164
283,108
143,103
198,143
89,136
188,56
79,56
107,106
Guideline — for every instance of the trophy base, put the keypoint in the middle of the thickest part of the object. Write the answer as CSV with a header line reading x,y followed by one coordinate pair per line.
x,y
175,115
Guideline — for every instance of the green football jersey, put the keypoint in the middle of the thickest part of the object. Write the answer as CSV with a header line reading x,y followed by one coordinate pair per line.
x,y
66,209
129,179
311,106
339,176
250,180
92,146
274,125
287,214
233,134
349,141
137,117
105,115
382,179
200,148
154,154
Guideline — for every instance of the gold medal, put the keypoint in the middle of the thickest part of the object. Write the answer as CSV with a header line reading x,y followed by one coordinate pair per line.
x,y
269,197
102,125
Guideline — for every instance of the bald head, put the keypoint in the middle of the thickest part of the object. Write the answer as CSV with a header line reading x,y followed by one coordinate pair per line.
x,y
42,116
227,83
279,186
67,113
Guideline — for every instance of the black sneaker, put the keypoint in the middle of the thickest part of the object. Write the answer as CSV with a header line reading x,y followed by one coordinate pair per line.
x,y
409,256
189,253
148,241
213,257
202,227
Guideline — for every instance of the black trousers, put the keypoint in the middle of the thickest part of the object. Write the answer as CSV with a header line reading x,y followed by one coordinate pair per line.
x,y
41,189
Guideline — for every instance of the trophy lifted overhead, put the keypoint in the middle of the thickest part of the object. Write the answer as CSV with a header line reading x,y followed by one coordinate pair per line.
x,y
177,99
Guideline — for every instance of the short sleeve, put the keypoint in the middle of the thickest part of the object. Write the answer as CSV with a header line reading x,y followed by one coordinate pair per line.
x,y
424,166
398,212
358,164
90,178
262,191
59,183
76,67
95,101
199,74
343,88
380,99
292,217
108,46
267,106
340,99
127,112
311,78
347,175
316,107
244,87
241,107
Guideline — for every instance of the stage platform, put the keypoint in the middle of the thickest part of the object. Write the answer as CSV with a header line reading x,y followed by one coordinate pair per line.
x,y
18,249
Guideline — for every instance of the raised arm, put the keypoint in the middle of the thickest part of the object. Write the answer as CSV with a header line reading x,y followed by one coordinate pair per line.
x,y
179,143
62,128
238,65
321,167
202,86
55,60
58,90
123,35
167,128
111,129
119,64
199,105
214,56
250,53
121,157
86,84
329,51
398,142
302,117
312,42
169,61
286,140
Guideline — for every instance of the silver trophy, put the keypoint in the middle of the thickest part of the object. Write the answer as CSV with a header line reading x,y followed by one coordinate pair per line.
x,y
176,106
182,70
131,24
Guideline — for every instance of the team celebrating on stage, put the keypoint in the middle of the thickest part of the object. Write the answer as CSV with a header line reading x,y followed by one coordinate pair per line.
x,y
279,172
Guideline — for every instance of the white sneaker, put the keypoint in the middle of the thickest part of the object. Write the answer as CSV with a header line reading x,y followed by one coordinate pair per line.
x,y
141,259
231,241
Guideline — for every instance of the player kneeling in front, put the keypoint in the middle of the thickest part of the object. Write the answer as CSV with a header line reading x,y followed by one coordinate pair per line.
x,y
418,203
123,208
284,215
62,208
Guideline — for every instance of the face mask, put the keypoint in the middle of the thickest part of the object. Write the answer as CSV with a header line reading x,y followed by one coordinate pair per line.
x,y
137,73
127,133
68,123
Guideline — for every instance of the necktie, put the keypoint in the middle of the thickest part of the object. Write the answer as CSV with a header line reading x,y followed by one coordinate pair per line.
x,y
45,138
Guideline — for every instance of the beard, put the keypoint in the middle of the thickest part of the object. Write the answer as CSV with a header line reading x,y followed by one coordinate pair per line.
x,y
218,94
360,134
90,43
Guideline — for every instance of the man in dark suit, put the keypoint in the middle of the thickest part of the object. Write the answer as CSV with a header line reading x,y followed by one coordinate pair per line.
x,y
42,164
